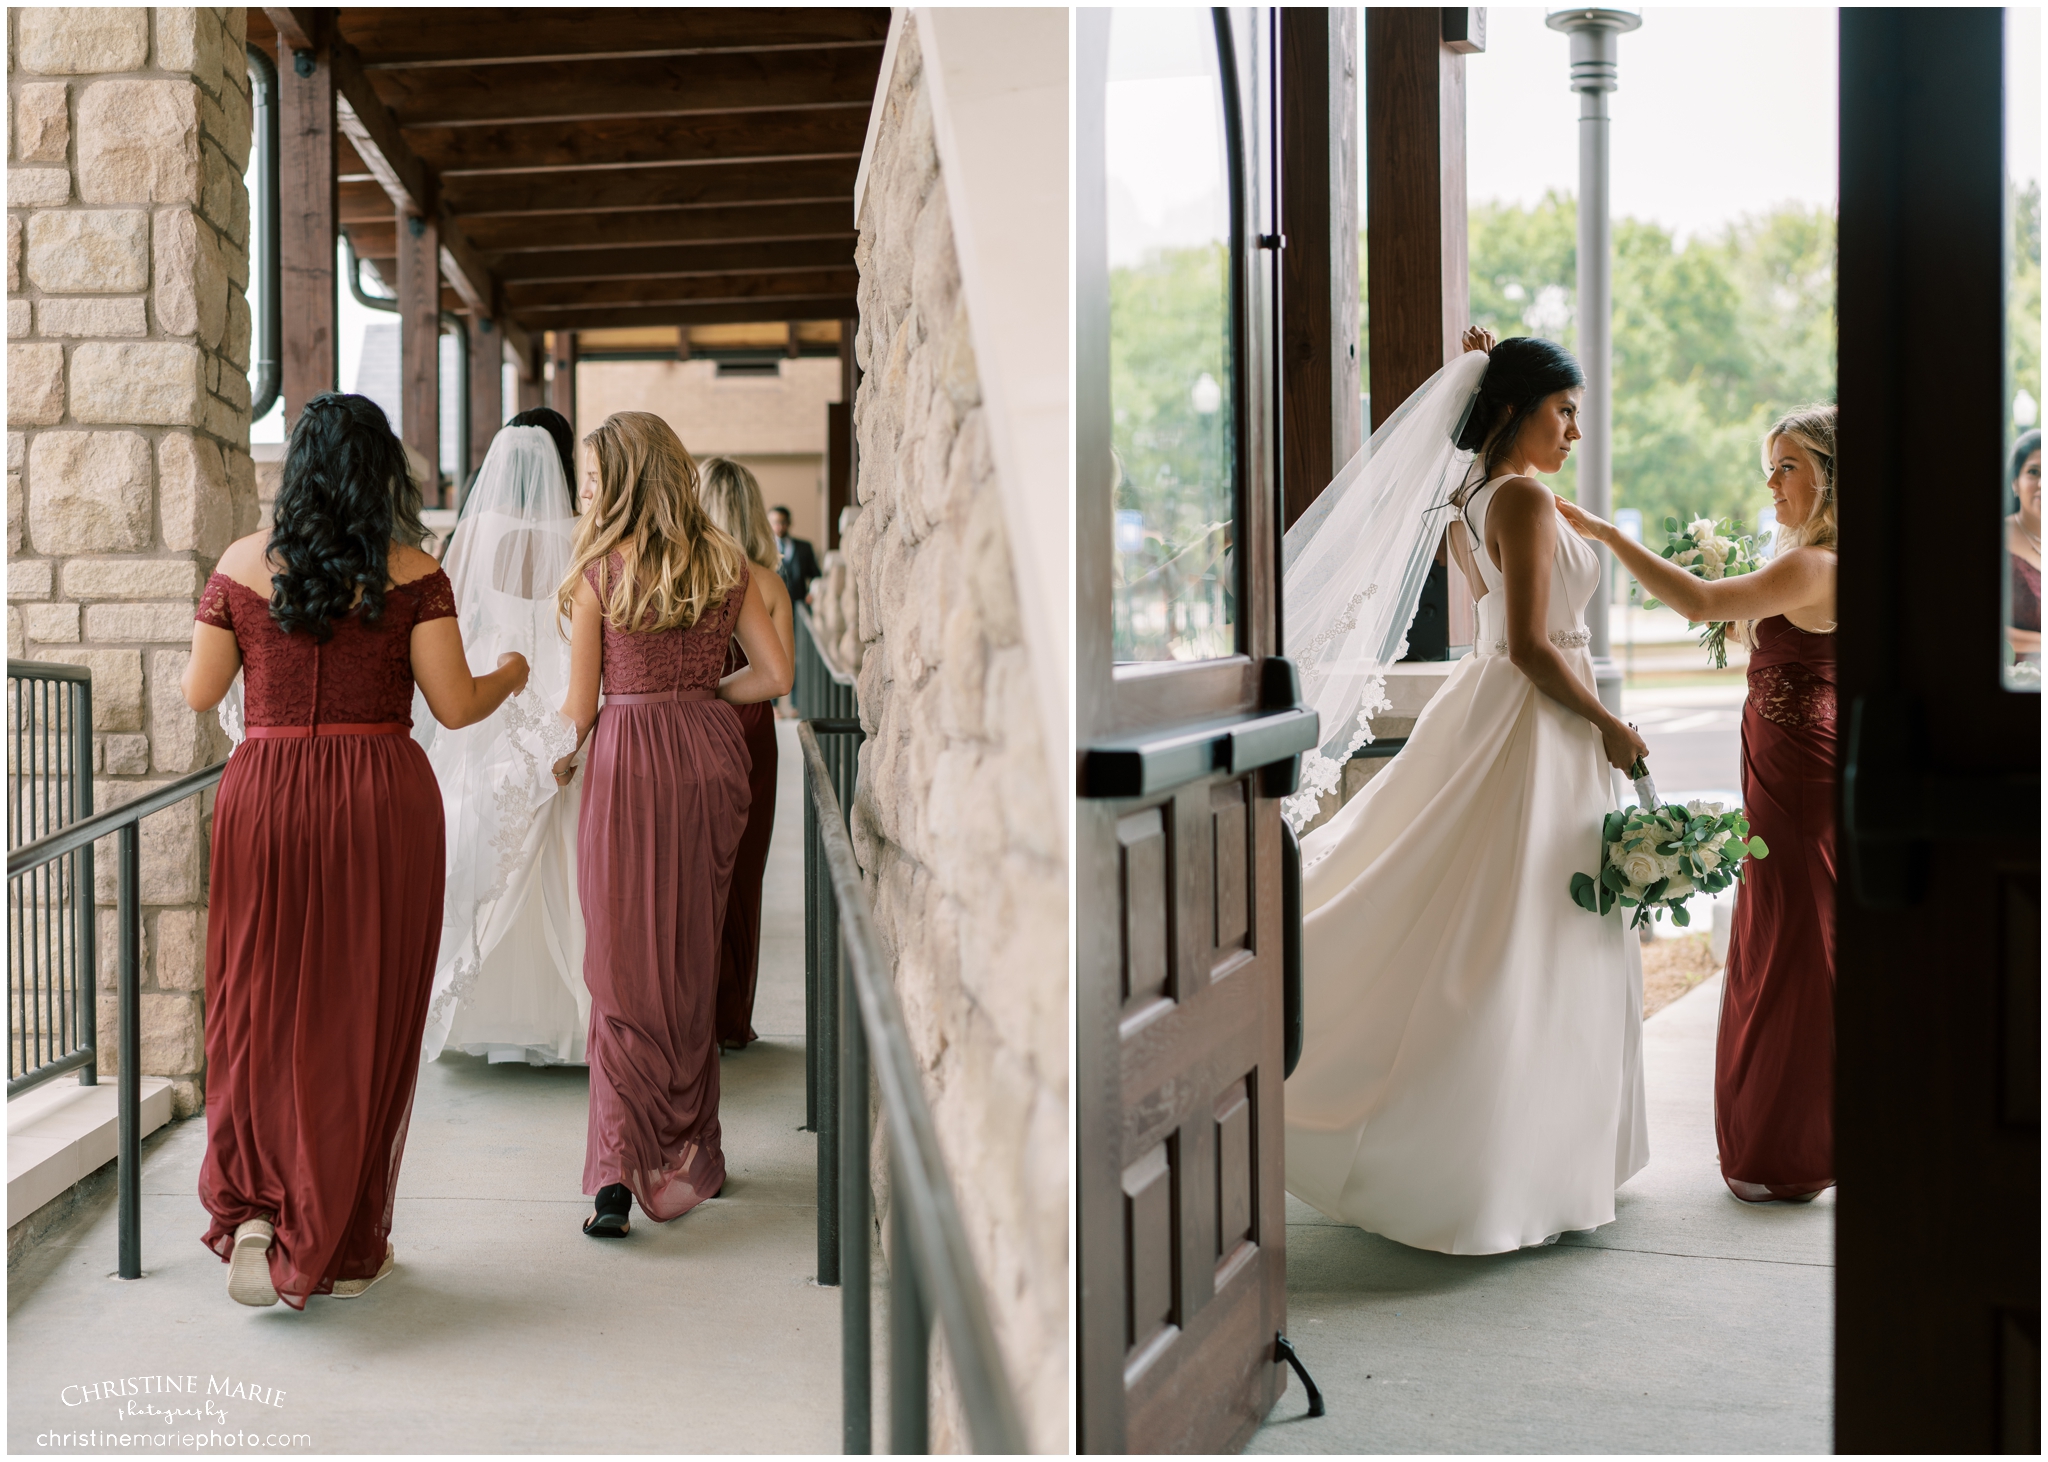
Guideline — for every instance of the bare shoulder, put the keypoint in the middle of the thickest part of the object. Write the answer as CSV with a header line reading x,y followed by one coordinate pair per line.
x,y
408,563
1809,562
1522,500
247,562
774,592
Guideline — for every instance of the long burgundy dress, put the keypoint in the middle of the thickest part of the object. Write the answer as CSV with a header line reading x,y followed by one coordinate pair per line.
x,y
739,946
323,923
664,807
1774,1064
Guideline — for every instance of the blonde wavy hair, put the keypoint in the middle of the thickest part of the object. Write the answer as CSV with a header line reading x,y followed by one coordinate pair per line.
x,y
732,499
1812,430
677,563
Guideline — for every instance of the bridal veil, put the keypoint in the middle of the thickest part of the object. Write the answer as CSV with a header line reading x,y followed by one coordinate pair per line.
x,y
1354,564
509,978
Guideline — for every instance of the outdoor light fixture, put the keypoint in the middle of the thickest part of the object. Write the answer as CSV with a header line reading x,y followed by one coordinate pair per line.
x,y
1594,32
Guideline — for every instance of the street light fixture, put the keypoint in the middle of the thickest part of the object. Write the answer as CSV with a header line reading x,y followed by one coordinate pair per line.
x,y
1594,31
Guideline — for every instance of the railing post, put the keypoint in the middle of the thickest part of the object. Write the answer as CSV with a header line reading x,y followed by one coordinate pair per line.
x,y
830,961
86,896
856,1223
910,1326
813,889
129,917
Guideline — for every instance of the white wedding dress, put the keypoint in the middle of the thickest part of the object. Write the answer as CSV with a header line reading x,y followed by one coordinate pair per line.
x,y
1471,1077
508,984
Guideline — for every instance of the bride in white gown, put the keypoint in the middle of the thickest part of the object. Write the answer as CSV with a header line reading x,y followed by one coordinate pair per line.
x,y
1471,1075
509,981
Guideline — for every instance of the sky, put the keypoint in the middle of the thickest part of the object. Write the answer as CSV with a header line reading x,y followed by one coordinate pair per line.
x,y
1721,112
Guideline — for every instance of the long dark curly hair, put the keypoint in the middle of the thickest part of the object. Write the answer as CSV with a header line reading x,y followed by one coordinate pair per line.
x,y
345,498
1522,372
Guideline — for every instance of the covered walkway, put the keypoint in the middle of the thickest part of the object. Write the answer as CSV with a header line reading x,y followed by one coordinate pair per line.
x,y
1690,1324
503,1330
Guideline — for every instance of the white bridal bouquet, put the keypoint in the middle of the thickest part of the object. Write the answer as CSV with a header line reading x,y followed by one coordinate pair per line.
x,y
1705,551
1658,856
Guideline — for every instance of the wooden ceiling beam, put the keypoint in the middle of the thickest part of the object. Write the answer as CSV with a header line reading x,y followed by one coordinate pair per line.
x,y
531,299
838,131
407,180
300,27
646,87
572,265
688,185
373,133
433,36
742,312
503,237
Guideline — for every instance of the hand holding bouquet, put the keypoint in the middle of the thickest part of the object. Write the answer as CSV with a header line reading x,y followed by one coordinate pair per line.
x,y
1660,856
1703,549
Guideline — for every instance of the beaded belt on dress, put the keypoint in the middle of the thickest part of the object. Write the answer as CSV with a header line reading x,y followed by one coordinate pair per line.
x,y
1564,639
654,697
328,728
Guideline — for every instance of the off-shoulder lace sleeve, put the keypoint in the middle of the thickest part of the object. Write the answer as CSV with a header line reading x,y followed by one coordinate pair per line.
x,y
214,605
436,596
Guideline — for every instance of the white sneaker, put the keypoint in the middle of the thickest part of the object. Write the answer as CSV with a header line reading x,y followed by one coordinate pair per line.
x,y
348,1289
249,1264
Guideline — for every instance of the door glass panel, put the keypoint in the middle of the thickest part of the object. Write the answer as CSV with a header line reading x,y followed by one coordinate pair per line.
x,y
1172,418
2022,525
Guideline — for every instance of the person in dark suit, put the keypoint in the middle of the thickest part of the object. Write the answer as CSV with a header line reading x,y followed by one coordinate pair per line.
x,y
799,561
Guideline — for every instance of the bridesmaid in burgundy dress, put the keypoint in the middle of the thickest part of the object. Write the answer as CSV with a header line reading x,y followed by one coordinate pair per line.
x,y
1774,1065
655,594
325,902
732,499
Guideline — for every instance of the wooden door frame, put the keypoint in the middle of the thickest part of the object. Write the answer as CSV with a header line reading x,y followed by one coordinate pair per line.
x,y
1937,1101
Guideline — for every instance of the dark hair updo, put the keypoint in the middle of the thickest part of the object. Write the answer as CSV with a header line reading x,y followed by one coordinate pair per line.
x,y
557,426
1522,372
2028,444
345,497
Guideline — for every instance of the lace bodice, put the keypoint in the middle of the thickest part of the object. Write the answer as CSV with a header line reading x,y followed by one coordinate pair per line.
x,y
645,662
1792,676
1575,575
362,675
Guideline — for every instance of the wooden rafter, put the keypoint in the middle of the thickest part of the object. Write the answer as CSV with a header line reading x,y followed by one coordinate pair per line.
x,y
568,265
609,317
424,37
687,185
531,299
502,147
632,86
741,225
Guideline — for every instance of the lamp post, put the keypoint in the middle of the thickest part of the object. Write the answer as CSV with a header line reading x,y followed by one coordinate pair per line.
x,y
1593,32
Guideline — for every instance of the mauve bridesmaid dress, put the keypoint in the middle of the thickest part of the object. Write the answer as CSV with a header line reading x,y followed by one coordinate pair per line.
x,y
739,950
665,801
1774,1064
323,921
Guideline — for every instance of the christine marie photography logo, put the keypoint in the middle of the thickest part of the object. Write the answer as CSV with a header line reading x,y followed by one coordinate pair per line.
x,y
171,1413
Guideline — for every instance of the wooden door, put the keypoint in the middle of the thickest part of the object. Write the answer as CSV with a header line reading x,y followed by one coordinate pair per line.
x,y
1938,996
1187,728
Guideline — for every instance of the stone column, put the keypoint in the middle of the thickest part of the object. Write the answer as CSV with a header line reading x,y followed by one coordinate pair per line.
x,y
128,413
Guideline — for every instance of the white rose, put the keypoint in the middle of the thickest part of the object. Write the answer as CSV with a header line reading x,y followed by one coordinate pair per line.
x,y
1715,553
1671,864
1700,530
1709,859
1681,885
1642,867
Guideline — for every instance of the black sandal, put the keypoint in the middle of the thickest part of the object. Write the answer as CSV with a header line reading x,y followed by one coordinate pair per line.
x,y
614,1207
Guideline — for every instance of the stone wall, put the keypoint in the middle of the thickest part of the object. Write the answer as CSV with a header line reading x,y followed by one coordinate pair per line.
x,y
956,817
128,467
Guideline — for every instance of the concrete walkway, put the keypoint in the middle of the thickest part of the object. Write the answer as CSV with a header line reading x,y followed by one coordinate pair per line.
x,y
1692,1323
503,1329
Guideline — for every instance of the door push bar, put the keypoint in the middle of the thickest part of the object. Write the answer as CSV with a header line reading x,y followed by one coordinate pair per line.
x,y
1270,739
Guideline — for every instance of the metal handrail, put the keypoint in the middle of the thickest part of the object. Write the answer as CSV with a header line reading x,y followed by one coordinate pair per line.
x,y
126,824
932,1273
52,960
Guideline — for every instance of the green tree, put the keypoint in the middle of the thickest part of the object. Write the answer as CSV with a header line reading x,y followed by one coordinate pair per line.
x,y
2023,297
